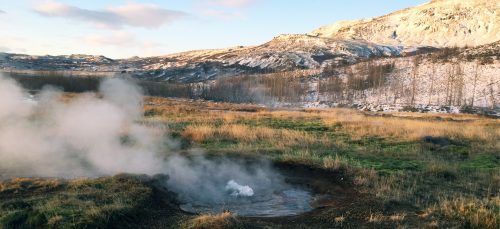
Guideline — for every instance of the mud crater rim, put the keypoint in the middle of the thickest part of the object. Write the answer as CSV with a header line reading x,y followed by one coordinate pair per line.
x,y
298,197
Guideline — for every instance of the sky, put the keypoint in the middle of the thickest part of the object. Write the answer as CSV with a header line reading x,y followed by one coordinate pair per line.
x,y
126,28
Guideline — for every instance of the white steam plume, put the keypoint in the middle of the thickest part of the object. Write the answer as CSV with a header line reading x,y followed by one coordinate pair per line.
x,y
87,136
99,134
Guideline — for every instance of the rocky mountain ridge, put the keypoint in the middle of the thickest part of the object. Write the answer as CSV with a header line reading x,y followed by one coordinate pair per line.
x,y
443,41
439,23
428,27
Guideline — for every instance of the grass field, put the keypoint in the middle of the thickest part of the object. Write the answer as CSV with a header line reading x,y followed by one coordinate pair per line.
x,y
405,169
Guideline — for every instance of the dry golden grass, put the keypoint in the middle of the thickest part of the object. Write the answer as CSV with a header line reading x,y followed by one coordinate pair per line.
x,y
247,134
473,212
249,128
375,218
334,163
366,178
339,219
379,218
397,217
223,220
199,133
399,126
54,221
82,203
433,224
26,184
360,125
282,130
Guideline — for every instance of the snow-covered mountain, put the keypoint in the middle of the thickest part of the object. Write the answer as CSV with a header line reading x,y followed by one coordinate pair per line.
x,y
439,23
283,53
425,28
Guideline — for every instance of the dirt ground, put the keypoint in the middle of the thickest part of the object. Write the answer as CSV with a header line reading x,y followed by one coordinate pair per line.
x,y
342,207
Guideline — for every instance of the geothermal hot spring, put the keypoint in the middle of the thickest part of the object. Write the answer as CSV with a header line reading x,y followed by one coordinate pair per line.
x,y
245,188
85,136
243,201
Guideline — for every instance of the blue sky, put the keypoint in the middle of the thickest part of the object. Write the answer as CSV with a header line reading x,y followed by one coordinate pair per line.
x,y
120,29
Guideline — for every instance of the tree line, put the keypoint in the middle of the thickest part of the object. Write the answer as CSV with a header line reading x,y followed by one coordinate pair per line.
x,y
357,83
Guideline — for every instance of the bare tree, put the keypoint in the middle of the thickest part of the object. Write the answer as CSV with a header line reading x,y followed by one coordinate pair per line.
x,y
414,79
459,85
431,90
492,93
476,75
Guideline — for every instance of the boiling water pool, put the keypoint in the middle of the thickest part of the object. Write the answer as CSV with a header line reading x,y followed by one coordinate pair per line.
x,y
285,202
244,187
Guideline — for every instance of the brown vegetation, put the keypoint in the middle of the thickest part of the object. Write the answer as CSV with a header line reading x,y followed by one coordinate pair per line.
x,y
423,159
216,221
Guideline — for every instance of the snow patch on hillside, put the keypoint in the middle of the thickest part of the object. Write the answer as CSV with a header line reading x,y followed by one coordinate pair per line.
x,y
443,23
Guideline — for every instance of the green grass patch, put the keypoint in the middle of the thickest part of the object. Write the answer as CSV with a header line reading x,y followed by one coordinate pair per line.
x,y
313,125
94,203
483,162
389,165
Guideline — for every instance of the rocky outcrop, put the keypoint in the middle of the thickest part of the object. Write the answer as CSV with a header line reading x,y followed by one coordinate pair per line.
x,y
441,23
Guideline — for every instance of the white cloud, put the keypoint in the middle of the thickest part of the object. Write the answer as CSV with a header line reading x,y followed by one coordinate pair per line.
x,y
146,15
230,3
124,40
12,43
131,14
222,14
223,9
2,12
4,49
115,39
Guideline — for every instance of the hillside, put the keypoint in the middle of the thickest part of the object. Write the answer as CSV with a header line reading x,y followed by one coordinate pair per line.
x,y
424,28
440,23
283,53
430,48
